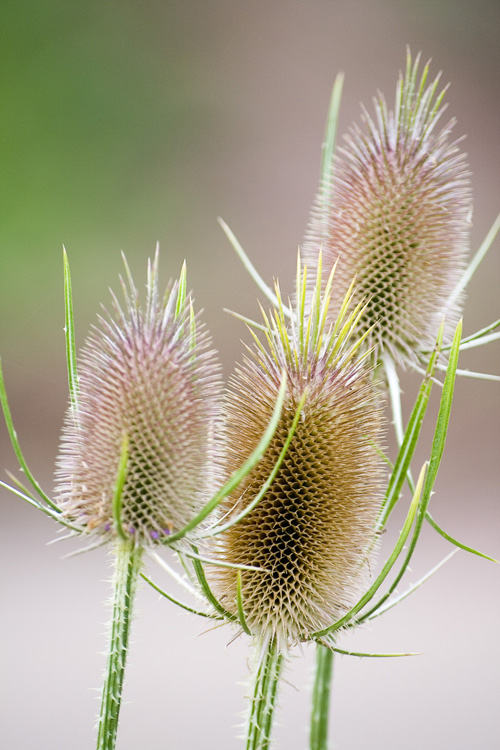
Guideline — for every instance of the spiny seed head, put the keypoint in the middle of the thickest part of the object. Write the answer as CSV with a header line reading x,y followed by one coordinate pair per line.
x,y
397,215
313,530
146,376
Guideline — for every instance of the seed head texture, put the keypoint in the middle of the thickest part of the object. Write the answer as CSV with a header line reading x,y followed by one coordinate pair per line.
x,y
146,374
397,215
311,533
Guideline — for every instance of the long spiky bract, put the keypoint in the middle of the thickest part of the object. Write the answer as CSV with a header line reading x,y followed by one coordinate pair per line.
x,y
310,532
398,218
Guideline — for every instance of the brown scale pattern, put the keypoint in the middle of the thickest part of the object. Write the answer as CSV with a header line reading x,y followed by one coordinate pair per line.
x,y
398,217
139,375
312,530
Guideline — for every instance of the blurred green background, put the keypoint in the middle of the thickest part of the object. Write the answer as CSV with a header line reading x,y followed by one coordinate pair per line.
x,y
126,123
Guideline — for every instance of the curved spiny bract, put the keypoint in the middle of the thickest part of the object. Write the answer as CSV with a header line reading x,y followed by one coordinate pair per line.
x,y
397,215
313,530
147,376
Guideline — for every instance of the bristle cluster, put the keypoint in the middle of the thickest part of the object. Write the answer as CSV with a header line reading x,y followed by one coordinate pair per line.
x,y
397,215
146,376
311,532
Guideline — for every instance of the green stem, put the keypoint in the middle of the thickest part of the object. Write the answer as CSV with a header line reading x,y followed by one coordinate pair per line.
x,y
265,690
321,698
127,567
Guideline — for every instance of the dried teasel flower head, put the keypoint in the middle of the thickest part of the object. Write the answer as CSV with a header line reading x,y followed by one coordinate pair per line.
x,y
311,533
396,214
147,380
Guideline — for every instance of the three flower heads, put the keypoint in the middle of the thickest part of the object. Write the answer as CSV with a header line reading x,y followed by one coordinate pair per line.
x,y
286,462
145,444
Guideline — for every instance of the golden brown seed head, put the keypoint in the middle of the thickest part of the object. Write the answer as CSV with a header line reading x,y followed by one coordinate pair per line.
x,y
312,532
397,215
147,374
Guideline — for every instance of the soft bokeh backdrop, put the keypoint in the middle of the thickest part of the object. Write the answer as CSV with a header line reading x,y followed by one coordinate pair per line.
x,y
127,123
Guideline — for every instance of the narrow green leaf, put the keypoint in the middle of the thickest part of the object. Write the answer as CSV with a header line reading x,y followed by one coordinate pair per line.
x,y
265,289
301,288
248,321
23,488
454,541
152,283
176,601
435,459
17,448
410,440
444,412
388,565
130,278
202,580
239,604
28,498
314,317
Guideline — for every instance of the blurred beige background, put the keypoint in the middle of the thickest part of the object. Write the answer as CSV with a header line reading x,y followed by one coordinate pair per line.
x,y
124,123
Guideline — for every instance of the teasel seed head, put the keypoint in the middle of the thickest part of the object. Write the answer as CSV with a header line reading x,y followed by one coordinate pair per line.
x,y
147,379
396,214
311,534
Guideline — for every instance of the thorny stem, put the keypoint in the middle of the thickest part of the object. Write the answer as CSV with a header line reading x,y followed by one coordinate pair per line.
x,y
127,567
321,698
263,699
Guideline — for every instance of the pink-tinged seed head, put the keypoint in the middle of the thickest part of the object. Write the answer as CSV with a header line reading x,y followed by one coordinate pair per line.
x,y
397,215
146,374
